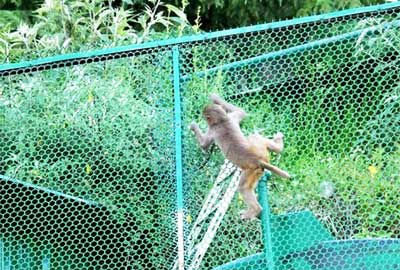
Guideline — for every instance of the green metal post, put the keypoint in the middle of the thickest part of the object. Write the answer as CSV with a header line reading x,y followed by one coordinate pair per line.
x,y
178,155
46,263
2,255
266,220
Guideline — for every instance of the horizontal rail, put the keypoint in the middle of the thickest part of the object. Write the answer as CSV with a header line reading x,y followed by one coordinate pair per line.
x,y
106,54
291,50
53,192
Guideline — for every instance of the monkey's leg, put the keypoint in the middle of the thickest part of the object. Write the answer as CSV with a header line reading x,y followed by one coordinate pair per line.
x,y
248,181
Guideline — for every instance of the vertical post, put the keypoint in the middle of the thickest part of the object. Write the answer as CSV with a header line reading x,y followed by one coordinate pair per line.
x,y
46,262
2,256
266,220
178,156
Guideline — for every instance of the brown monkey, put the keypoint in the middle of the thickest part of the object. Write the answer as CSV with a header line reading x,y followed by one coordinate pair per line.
x,y
249,154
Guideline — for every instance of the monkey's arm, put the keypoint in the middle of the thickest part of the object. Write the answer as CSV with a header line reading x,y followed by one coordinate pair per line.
x,y
235,113
204,140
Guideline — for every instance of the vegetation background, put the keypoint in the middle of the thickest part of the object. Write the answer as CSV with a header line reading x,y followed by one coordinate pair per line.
x,y
32,28
361,171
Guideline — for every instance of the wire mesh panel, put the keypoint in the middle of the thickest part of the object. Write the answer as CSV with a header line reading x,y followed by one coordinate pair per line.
x,y
332,87
92,148
90,151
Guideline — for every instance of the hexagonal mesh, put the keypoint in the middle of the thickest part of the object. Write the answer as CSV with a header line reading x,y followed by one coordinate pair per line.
x,y
92,150
99,169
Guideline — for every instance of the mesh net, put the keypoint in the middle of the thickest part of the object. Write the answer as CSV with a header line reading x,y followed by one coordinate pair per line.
x,y
88,151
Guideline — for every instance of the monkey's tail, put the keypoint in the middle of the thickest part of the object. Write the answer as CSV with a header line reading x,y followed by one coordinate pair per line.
x,y
274,169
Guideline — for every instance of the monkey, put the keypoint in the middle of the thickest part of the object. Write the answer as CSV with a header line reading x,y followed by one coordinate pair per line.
x,y
250,154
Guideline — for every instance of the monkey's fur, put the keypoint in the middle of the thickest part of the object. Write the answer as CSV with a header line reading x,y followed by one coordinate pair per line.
x,y
249,154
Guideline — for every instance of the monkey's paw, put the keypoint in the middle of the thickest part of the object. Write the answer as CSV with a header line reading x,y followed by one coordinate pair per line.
x,y
193,126
278,135
247,215
215,98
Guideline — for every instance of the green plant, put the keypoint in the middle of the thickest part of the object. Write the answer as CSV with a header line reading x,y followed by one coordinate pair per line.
x,y
61,26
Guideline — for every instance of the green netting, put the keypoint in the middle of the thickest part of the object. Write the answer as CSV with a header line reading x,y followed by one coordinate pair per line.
x,y
99,169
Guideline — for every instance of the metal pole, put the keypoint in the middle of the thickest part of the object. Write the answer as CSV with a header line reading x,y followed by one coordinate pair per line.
x,y
178,157
266,220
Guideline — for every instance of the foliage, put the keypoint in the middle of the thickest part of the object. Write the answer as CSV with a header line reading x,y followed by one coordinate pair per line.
x,y
363,176
65,26
361,202
220,14
12,18
20,4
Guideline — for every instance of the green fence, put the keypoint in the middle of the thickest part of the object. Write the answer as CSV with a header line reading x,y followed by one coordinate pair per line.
x,y
99,169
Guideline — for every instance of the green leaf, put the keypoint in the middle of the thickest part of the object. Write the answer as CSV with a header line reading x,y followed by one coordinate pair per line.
x,y
177,11
88,169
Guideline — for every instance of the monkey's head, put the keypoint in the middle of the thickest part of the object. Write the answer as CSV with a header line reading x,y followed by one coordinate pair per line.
x,y
214,114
